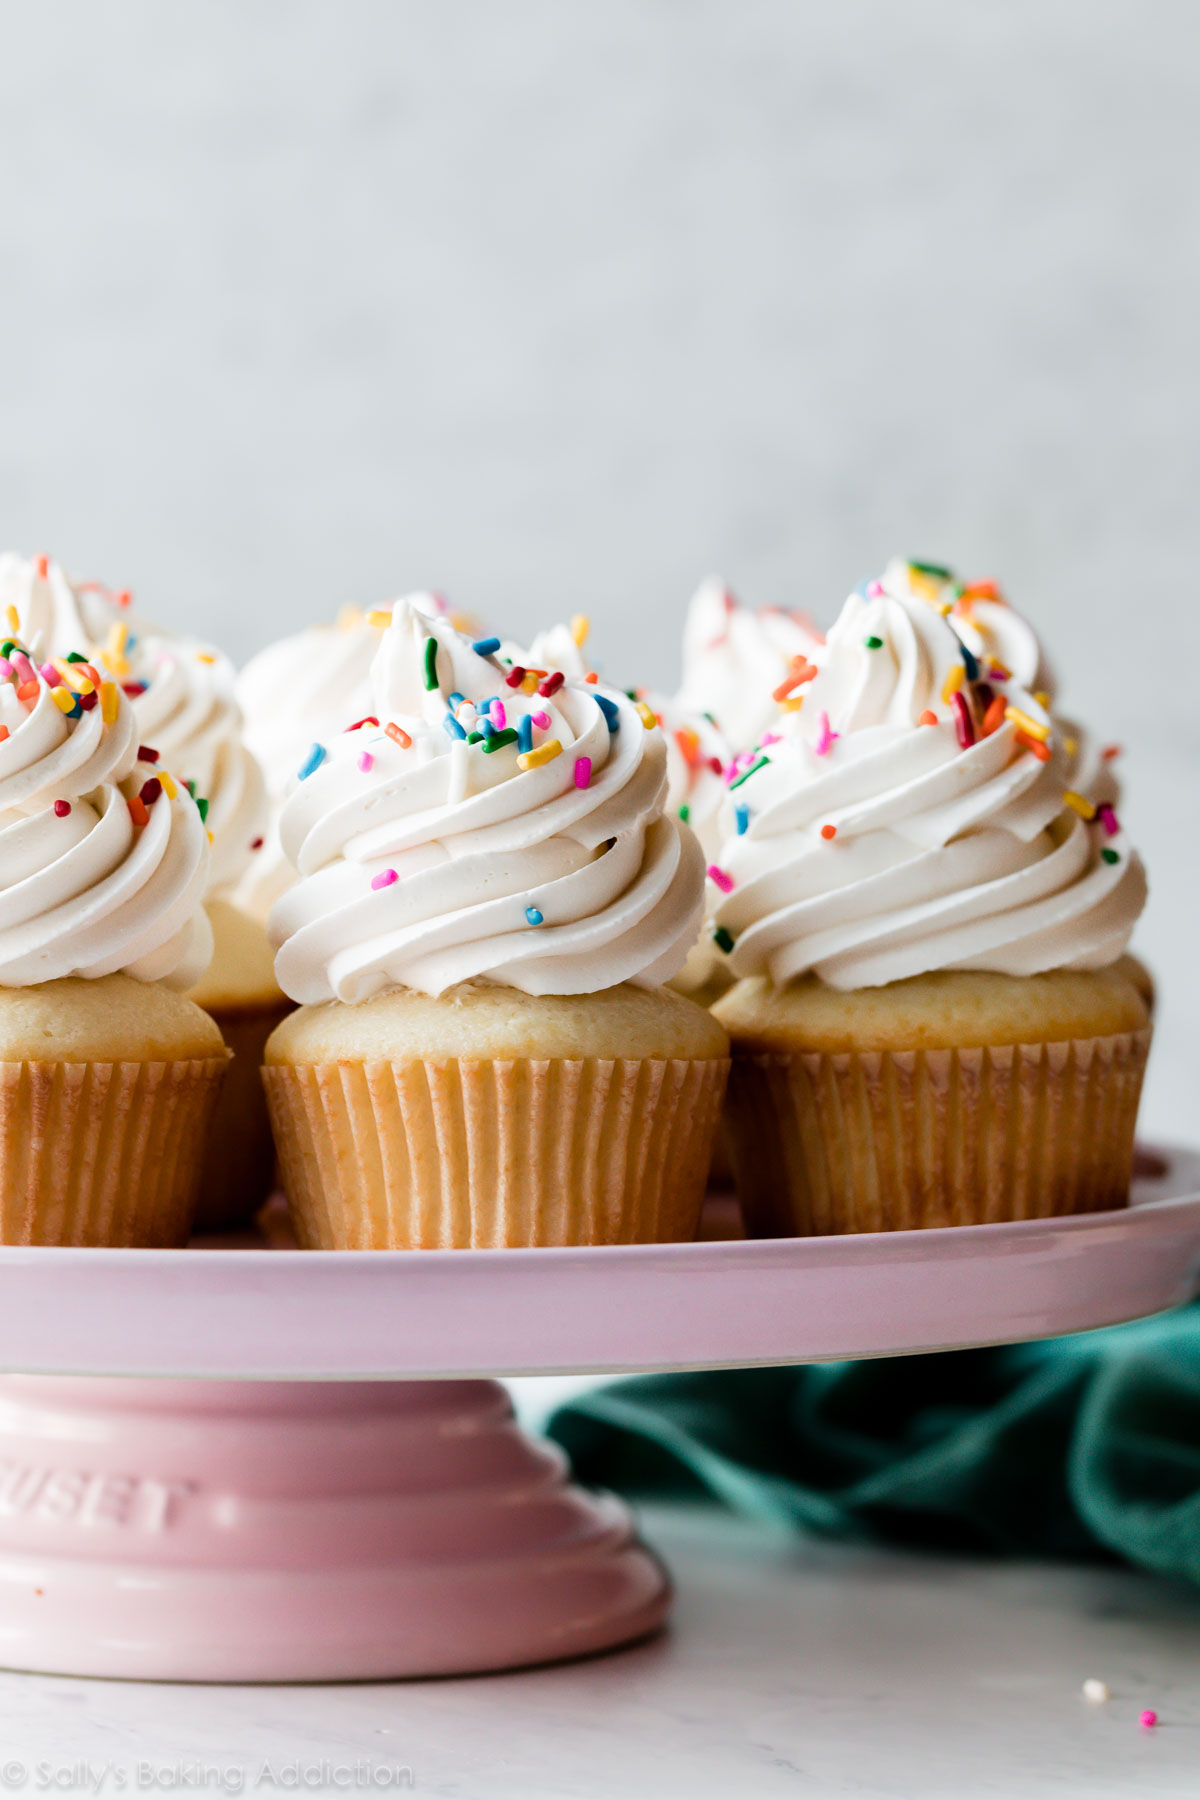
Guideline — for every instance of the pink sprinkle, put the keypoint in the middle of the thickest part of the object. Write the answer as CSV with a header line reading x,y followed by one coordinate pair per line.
x,y
384,879
770,737
874,590
1108,819
23,666
366,761
826,738
61,808
720,877
541,720
50,675
1148,1719
499,716
583,771
6,669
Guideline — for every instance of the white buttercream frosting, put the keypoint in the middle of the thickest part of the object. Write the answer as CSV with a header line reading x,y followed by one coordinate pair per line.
x,y
735,656
94,878
893,828
437,861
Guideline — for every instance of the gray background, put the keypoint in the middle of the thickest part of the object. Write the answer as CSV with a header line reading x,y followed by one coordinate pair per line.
x,y
559,306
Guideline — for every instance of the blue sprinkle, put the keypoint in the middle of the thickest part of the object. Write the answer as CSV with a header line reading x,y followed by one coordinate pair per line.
x,y
525,733
487,728
453,727
970,663
454,699
312,761
486,646
611,711
742,815
533,915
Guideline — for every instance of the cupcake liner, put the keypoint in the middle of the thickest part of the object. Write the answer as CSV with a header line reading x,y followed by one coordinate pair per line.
x,y
895,1140
473,1154
239,1155
103,1153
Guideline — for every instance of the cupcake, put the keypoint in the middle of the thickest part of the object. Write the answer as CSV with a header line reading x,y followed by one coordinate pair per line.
x,y
490,901
735,657
184,705
926,918
108,1075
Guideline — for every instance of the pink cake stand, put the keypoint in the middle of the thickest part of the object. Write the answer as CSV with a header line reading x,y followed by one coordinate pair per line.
x,y
329,1489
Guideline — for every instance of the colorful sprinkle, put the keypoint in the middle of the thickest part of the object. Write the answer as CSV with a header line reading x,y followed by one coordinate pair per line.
x,y
533,915
826,736
1078,803
498,740
202,808
454,700
1109,752
13,617
548,688
110,701
581,625
873,643
829,832
1109,856
379,617
431,675
1033,745
720,878
611,711
3,733
398,735
685,813
312,762
964,724
993,717
525,734
970,662
952,683
1148,1719
928,718
359,723
742,817
366,761
50,675
938,571
583,771
451,725
384,879
499,715
61,808
723,939
62,697
486,646
646,714
541,720
1108,819
137,812
515,676
150,790
1031,726
761,763
146,753
535,759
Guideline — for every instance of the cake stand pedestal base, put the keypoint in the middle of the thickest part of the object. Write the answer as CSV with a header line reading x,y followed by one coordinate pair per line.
x,y
300,1531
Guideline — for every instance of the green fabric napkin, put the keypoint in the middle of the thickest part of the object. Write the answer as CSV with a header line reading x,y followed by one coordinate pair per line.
x,y
1083,1446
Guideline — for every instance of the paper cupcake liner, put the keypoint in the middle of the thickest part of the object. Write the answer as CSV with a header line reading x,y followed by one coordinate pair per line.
x,y
104,1153
239,1156
475,1154
893,1140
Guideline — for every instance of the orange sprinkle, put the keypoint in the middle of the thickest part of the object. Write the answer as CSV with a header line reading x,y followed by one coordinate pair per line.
x,y
591,676
137,811
689,744
802,671
27,690
928,718
398,736
828,831
1041,751
3,733
993,718
983,590
42,566
1109,751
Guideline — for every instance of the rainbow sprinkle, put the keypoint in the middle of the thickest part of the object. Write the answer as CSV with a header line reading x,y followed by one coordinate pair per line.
x,y
533,915
583,771
431,675
535,759
720,878
384,879
312,762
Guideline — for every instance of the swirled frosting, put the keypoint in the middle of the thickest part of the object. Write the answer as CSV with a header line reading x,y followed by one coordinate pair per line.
x,y
434,848
182,691
103,856
920,810
734,657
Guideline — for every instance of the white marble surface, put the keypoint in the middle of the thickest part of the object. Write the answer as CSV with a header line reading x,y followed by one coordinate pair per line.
x,y
789,1670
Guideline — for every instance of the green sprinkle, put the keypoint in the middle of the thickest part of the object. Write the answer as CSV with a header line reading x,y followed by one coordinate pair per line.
x,y
752,770
498,740
191,788
202,809
431,650
873,643
8,646
937,570
474,737
685,812
1110,856
76,656
722,939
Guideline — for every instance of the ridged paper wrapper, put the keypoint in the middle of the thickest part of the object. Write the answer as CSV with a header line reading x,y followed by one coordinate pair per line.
x,y
239,1157
898,1140
482,1154
103,1153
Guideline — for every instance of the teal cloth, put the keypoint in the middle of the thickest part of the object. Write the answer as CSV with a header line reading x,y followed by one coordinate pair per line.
x,y
1084,1446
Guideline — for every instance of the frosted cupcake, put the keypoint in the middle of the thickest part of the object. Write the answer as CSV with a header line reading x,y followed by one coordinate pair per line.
x,y
491,898
735,657
108,1077
927,917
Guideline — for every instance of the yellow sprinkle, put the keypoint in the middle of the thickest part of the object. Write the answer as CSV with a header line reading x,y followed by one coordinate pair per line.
x,y
168,786
14,619
1078,804
208,834
63,698
379,618
349,617
533,759
1070,745
1017,717
952,683
78,684
793,703
1042,697
529,685
118,637
646,715
116,665
205,656
929,589
580,626
110,700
